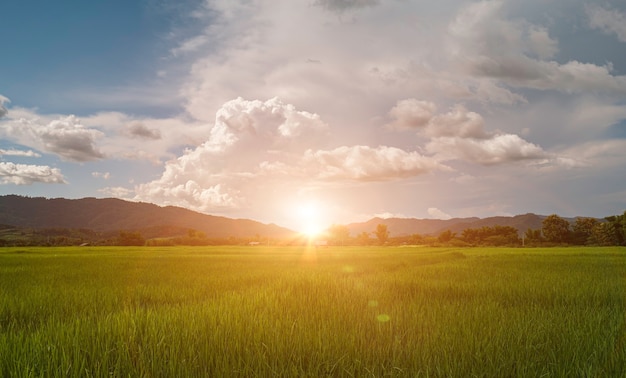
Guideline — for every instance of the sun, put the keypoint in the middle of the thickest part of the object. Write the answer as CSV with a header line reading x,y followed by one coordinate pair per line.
x,y
310,218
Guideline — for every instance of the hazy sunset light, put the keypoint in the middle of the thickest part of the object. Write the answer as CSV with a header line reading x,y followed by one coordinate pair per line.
x,y
312,113
311,218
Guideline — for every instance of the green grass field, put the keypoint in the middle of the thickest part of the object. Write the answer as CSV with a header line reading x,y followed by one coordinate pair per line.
x,y
261,311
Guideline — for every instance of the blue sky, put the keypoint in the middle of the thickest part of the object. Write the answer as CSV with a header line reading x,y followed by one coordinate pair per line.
x,y
356,108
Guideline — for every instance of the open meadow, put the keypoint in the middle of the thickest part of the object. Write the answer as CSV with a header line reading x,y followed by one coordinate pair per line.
x,y
301,311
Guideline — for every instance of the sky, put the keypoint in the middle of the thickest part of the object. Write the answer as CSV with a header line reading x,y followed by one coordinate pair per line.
x,y
306,113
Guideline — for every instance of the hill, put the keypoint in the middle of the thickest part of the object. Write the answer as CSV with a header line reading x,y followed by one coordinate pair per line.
x,y
110,214
409,226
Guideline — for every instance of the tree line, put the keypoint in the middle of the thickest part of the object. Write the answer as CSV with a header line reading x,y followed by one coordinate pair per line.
x,y
554,231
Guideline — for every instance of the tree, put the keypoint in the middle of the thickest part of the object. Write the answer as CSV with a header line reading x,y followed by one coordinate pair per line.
x,y
338,234
472,236
619,223
415,239
556,229
583,230
382,233
604,234
532,237
446,236
130,238
496,235
363,238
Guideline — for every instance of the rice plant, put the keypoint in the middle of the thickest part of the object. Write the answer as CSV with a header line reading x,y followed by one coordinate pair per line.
x,y
298,311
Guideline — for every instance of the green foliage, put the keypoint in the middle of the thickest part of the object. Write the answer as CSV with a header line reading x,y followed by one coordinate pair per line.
x,y
619,225
604,234
491,236
556,229
130,238
583,233
446,236
174,312
532,237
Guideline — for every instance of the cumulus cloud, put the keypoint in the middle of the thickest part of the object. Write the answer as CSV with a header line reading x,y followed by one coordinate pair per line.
x,y
459,123
515,52
387,215
103,175
23,174
125,135
253,143
14,152
70,140
609,21
421,115
438,214
499,149
342,5
412,113
540,43
571,77
248,139
368,164
256,124
460,135
137,129
3,109
117,192
66,137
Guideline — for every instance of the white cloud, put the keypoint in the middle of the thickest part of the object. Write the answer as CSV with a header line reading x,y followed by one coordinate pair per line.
x,y
267,48
103,175
491,46
504,148
460,122
14,152
540,43
610,21
599,154
3,109
412,113
70,140
117,192
248,139
258,143
65,136
190,46
438,214
365,163
460,134
143,138
23,174
386,215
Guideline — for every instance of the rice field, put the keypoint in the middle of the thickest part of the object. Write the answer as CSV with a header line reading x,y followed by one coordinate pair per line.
x,y
306,312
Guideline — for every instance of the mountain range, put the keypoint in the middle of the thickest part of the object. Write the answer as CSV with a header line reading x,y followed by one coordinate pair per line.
x,y
111,215
408,226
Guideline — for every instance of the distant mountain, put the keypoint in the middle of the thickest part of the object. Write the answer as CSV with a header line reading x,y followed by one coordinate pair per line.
x,y
110,214
408,226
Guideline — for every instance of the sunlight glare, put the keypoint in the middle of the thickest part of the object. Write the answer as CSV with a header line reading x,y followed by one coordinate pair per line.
x,y
310,218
